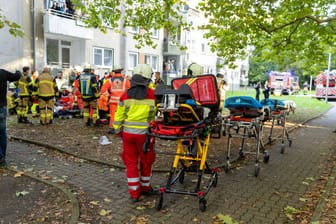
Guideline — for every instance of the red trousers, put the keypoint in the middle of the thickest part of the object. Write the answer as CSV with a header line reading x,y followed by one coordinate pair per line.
x,y
113,108
138,164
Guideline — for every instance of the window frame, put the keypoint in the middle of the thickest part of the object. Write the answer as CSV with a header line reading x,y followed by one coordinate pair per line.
x,y
131,67
103,49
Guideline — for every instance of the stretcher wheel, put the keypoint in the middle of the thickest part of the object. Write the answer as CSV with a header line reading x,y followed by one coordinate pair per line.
x,y
282,148
159,202
181,177
290,143
227,167
266,157
241,154
256,170
215,180
202,204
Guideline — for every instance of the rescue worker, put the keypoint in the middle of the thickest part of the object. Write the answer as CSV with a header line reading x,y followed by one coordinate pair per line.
x,y
135,111
157,79
88,87
116,86
12,98
78,101
25,88
34,98
46,91
194,70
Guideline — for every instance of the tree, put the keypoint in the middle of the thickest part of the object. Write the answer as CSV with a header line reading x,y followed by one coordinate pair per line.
x,y
282,31
148,15
14,28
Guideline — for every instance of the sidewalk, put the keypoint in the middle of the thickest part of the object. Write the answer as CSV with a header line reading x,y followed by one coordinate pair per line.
x,y
282,182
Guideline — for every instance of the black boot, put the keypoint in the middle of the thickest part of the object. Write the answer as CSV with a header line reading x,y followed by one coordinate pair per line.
x,y
25,120
20,120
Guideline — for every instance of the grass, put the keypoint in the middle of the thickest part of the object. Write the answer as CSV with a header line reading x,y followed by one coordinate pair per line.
x,y
306,106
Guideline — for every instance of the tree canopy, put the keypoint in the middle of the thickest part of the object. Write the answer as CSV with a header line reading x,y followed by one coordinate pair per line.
x,y
14,29
281,31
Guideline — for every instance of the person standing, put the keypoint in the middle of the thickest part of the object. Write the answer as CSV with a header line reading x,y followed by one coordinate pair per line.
x,y
25,88
88,87
115,86
158,80
46,91
34,98
223,87
5,76
257,88
134,113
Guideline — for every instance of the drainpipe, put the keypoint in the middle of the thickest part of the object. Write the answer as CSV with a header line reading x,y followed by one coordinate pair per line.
x,y
33,14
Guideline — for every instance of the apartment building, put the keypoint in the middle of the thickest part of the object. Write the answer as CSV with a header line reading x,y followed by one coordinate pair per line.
x,y
61,41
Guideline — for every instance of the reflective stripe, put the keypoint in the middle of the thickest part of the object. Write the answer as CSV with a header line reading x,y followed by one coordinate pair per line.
x,y
145,184
134,188
131,102
135,130
145,178
137,123
134,179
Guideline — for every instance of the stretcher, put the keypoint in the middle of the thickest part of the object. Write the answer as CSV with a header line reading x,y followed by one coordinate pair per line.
x,y
279,111
190,116
245,122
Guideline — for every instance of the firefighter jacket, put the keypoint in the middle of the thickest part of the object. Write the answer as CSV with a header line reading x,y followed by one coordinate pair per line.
x,y
46,85
116,86
134,116
88,86
25,86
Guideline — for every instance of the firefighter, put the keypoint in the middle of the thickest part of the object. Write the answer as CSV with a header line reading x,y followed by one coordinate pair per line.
x,y
25,88
194,70
135,111
115,86
88,87
46,88
34,107
78,101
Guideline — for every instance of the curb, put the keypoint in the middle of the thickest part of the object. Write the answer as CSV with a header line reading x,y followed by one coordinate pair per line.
x,y
75,211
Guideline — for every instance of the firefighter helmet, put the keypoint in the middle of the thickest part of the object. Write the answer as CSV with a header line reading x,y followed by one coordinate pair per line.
x,y
144,70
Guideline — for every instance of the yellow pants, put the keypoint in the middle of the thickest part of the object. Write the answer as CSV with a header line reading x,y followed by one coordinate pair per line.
x,y
90,110
22,108
46,110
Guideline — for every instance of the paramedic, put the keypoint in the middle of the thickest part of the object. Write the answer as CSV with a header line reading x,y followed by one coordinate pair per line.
x,y
115,86
4,77
25,88
46,88
88,87
194,70
135,111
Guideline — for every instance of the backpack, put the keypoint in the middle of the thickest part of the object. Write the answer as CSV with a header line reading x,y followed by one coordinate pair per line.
x,y
85,85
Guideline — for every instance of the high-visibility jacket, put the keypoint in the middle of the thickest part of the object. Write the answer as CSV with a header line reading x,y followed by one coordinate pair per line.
x,y
116,86
24,85
88,86
46,85
134,116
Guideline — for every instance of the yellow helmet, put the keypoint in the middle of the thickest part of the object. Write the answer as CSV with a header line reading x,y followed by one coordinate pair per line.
x,y
12,85
144,70
117,68
194,69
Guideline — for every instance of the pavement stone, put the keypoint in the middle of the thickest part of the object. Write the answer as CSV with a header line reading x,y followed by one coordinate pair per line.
x,y
238,194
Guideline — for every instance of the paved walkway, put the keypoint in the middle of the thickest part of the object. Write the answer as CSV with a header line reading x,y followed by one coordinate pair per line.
x,y
238,194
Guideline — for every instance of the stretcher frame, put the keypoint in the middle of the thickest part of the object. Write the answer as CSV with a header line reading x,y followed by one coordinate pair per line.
x,y
279,117
243,128
184,124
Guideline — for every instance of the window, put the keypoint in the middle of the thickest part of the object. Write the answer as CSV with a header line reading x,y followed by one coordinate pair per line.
x,y
102,57
132,60
155,33
134,30
153,61
52,52
203,47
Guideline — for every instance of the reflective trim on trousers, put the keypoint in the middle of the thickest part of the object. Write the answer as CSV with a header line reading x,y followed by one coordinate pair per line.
x,y
145,178
147,184
134,179
133,188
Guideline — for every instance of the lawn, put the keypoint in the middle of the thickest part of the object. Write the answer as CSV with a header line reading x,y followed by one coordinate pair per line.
x,y
306,106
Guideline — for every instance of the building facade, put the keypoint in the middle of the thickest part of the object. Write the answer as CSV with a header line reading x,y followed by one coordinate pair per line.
x,y
61,41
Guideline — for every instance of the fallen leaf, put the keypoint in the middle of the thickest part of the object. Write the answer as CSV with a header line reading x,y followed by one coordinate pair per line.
x,y
107,200
94,202
18,174
21,193
104,212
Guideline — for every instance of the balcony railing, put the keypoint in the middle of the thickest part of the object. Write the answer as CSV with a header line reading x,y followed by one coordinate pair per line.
x,y
67,24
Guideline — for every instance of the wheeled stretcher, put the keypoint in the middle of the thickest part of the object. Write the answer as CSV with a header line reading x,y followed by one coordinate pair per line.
x,y
245,122
190,116
279,111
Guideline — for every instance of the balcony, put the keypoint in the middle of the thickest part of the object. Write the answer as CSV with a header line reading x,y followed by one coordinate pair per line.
x,y
67,25
170,49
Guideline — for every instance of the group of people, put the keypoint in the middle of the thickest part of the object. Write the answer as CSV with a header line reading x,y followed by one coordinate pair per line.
x,y
63,7
266,91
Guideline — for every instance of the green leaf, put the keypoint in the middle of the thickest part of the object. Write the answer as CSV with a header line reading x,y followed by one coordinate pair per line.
x,y
21,193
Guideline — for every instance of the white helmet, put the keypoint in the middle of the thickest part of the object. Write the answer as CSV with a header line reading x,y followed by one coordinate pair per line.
x,y
144,70
194,69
